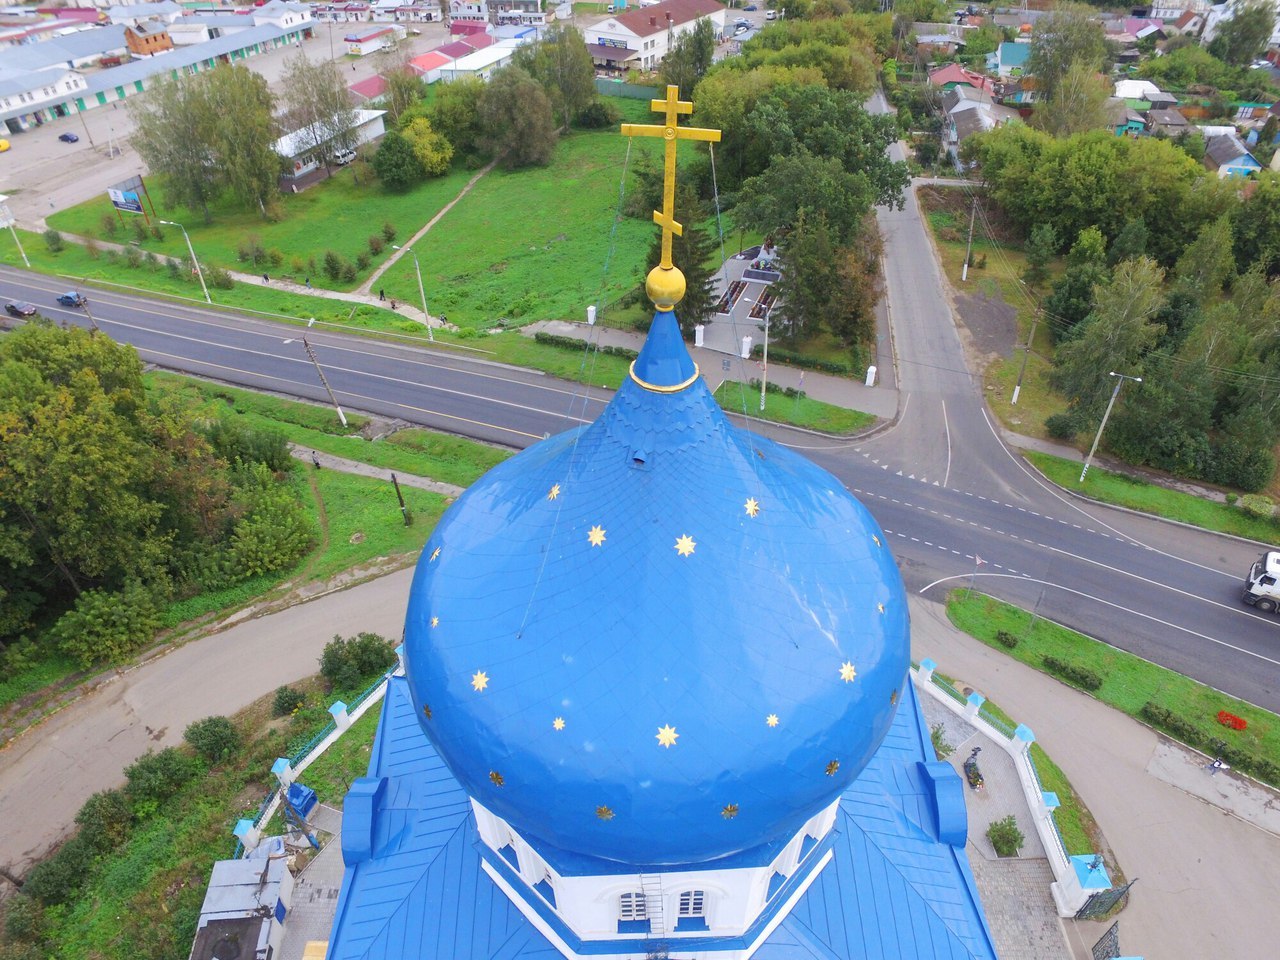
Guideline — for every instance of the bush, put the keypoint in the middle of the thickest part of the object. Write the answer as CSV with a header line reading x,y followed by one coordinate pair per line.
x,y
156,232
24,919
58,879
108,624
155,777
275,532
362,261
1005,836
597,115
139,229
53,240
940,746
789,357
1062,426
286,701
250,250
275,257
110,224
350,664
1079,676
388,232
91,248
569,343
791,393
238,442
1233,463
132,258
1257,505
1006,639
214,738
218,278
332,265
348,272
105,820
376,244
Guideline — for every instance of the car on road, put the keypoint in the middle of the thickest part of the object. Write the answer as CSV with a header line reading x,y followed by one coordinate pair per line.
x,y
742,22
771,15
19,308
68,138
751,8
72,299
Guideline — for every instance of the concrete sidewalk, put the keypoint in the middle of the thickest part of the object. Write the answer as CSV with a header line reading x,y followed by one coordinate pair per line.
x,y
1207,878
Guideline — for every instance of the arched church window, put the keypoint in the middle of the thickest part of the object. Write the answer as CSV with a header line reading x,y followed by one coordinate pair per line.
x,y
691,903
631,906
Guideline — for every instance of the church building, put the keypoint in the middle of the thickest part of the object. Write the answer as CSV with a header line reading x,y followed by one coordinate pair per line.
x,y
656,704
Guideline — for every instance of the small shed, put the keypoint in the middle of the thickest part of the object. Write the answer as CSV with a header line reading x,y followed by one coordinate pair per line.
x,y
244,910
371,41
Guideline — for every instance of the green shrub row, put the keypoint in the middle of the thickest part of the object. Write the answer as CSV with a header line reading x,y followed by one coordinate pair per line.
x,y
1190,734
570,343
1006,639
791,358
1073,673
793,393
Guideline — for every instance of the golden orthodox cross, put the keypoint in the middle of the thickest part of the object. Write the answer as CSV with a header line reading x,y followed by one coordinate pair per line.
x,y
672,106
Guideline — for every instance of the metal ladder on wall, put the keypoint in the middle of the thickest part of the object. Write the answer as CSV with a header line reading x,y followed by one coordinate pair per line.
x,y
651,887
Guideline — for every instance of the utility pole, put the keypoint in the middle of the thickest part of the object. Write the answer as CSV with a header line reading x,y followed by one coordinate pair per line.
x,y
312,354
1026,352
408,517
92,322
968,250
1102,426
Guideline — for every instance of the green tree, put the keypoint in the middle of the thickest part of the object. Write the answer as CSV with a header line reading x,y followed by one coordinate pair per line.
x,y
1129,243
405,89
455,114
807,261
173,134
1066,36
318,108
1245,35
1072,298
689,58
858,287
396,163
800,184
1116,336
560,62
245,134
1207,264
1040,249
1257,226
1079,102
432,150
516,120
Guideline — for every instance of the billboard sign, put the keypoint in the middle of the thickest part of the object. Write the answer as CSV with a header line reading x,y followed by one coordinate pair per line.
x,y
126,200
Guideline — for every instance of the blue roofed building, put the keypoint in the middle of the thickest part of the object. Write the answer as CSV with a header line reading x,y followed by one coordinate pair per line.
x,y
656,702
1010,59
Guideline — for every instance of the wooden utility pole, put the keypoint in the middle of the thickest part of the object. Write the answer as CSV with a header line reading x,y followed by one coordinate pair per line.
x,y
1026,352
312,354
968,250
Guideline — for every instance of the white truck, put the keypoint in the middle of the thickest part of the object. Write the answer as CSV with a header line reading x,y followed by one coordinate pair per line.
x,y
1262,585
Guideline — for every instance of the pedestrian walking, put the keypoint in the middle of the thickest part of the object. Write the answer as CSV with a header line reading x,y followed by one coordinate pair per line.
x,y
265,278
308,283
393,303
315,459
1216,766
381,295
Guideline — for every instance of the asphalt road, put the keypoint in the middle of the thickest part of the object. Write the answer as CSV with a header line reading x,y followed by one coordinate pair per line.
x,y
1168,594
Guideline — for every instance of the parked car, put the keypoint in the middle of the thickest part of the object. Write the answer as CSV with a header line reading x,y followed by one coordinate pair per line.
x,y
343,157
68,138
771,15
742,22
19,308
751,8
72,299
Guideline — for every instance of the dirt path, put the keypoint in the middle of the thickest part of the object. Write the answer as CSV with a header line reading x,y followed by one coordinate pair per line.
x,y
367,286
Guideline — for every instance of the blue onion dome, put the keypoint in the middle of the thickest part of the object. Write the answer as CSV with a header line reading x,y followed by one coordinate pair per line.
x,y
658,639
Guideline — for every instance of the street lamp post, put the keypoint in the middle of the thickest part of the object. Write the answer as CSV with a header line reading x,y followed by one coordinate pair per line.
x,y
426,317
764,360
194,262
1102,426
7,220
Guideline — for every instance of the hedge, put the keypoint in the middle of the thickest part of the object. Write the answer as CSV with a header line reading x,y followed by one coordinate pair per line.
x,y
1186,731
572,343
789,357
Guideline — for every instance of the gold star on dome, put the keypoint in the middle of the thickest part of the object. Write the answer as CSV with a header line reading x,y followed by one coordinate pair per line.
x,y
435,621
876,539
604,813
480,680
847,672
685,545
426,710
832,767
752,506
434,555
667,736
496,777
558,723
729,811
554,491
771,719
595,536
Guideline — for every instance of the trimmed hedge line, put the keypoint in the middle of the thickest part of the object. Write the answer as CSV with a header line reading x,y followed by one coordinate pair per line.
x,y
572,343
783,355
1079,676
1184,730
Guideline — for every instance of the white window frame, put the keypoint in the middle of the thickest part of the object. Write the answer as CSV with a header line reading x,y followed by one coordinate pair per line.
x,y
693,903
632,906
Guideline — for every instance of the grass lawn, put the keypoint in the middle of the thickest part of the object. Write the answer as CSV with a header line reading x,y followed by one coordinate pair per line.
x,y
536,244
337,215
1151,498
1128,681
1075,822
804,412
331,774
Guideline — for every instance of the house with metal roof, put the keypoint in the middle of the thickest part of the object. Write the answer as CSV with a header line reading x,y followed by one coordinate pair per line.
x,y
1229,157
1009,59
642,37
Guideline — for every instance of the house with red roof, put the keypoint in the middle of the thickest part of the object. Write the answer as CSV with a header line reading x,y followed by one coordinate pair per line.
x,y
642,37
953,75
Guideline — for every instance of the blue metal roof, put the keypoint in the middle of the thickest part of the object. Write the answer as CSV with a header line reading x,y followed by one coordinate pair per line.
x,y
893,890
619,638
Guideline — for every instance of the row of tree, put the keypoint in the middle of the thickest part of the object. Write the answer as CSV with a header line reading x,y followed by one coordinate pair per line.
x,y
112,505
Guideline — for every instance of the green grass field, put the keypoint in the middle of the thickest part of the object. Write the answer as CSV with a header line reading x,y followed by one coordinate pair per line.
x,y
1150,498
736,397
1128,681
